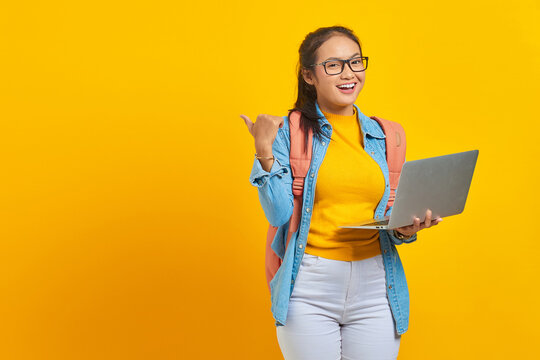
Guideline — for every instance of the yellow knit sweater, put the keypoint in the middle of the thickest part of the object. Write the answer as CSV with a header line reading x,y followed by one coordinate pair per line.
x,y
349,186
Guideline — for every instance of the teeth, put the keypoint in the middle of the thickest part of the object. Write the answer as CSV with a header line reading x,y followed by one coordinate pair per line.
x,y
348,86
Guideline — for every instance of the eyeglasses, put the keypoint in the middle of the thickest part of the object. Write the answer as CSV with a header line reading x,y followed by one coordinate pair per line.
x,y
335,67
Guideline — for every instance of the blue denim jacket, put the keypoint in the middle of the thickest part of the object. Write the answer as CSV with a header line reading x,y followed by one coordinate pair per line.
x,y
275,195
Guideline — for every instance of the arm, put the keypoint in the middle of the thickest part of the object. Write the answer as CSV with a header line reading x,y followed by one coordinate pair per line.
x,y
275,186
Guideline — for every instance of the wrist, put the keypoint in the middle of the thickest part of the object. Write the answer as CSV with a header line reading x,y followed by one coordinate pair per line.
x,y
262,157
401,236
263,149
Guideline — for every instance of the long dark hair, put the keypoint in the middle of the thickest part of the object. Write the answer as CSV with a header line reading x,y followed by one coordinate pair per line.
x,y
307,94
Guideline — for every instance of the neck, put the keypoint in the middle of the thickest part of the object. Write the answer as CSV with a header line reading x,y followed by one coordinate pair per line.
x,y
347,110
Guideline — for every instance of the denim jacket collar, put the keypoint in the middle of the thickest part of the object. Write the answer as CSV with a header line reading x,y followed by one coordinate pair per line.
x,y
369,126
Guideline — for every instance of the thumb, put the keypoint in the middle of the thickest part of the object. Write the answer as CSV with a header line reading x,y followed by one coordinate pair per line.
x,y
248,122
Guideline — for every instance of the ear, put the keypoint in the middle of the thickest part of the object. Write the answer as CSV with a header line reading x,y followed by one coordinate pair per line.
x,y
306,74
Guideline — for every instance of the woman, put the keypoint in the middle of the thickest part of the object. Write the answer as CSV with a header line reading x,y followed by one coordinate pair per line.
x,y
339,293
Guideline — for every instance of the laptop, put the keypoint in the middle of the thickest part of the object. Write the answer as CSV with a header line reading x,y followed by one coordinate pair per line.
x,y
439,183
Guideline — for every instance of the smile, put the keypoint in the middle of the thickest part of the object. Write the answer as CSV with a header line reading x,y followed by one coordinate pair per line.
x,y
347,88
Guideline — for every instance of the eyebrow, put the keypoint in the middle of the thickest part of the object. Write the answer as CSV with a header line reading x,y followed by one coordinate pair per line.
x,y
335,58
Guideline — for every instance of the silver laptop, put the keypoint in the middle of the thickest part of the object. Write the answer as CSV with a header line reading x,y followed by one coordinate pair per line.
x,y
439,183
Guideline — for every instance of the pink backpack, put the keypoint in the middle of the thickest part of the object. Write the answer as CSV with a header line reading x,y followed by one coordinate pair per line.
x,y
300,162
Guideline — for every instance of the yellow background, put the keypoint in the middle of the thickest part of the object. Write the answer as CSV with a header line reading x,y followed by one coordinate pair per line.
x,y
128,227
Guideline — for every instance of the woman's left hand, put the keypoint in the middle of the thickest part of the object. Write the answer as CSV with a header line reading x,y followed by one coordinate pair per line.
x,y
417,226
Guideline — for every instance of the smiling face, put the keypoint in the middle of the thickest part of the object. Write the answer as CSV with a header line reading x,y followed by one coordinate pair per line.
x,y
329,97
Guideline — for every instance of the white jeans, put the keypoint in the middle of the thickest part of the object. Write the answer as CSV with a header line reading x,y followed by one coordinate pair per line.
x,y
339,310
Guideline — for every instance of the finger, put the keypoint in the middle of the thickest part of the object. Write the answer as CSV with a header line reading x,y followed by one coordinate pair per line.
x,y
438,220
416,223
246,118
427,221
248,122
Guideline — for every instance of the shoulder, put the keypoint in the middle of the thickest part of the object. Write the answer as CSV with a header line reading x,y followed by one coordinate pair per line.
x,y
282,139
285,126
284,131
371,126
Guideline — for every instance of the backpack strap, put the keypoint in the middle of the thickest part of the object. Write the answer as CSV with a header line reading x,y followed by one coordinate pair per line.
x,y
395,153
300,161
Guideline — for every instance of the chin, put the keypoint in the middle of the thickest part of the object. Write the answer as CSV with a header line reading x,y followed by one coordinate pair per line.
x,y
347,103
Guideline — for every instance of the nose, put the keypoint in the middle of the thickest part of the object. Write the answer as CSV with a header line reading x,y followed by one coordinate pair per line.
x,y
347,72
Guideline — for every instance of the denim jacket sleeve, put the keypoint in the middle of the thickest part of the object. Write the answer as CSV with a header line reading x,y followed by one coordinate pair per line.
x,y
275,187
394,239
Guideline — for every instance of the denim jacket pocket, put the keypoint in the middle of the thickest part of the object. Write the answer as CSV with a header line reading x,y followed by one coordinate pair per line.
x,y
309,260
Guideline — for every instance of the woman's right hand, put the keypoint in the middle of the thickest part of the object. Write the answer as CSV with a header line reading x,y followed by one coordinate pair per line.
x,y
264,131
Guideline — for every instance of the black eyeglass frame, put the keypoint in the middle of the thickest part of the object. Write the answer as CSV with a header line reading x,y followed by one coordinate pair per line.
x,y
343,64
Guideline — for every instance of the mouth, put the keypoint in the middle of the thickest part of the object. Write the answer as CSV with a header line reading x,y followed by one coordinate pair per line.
x,y
347,88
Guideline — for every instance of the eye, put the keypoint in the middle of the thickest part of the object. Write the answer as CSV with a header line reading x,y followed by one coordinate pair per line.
x,y
333,64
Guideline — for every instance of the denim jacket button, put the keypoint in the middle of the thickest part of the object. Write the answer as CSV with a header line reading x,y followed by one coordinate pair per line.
x,y
307,210
300,246
390,286
385,251
323,143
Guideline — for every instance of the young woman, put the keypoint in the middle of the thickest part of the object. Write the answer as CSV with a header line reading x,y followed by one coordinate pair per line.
x,y
339,293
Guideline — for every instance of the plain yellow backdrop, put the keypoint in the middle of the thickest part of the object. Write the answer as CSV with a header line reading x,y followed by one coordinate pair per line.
x,y
128,227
